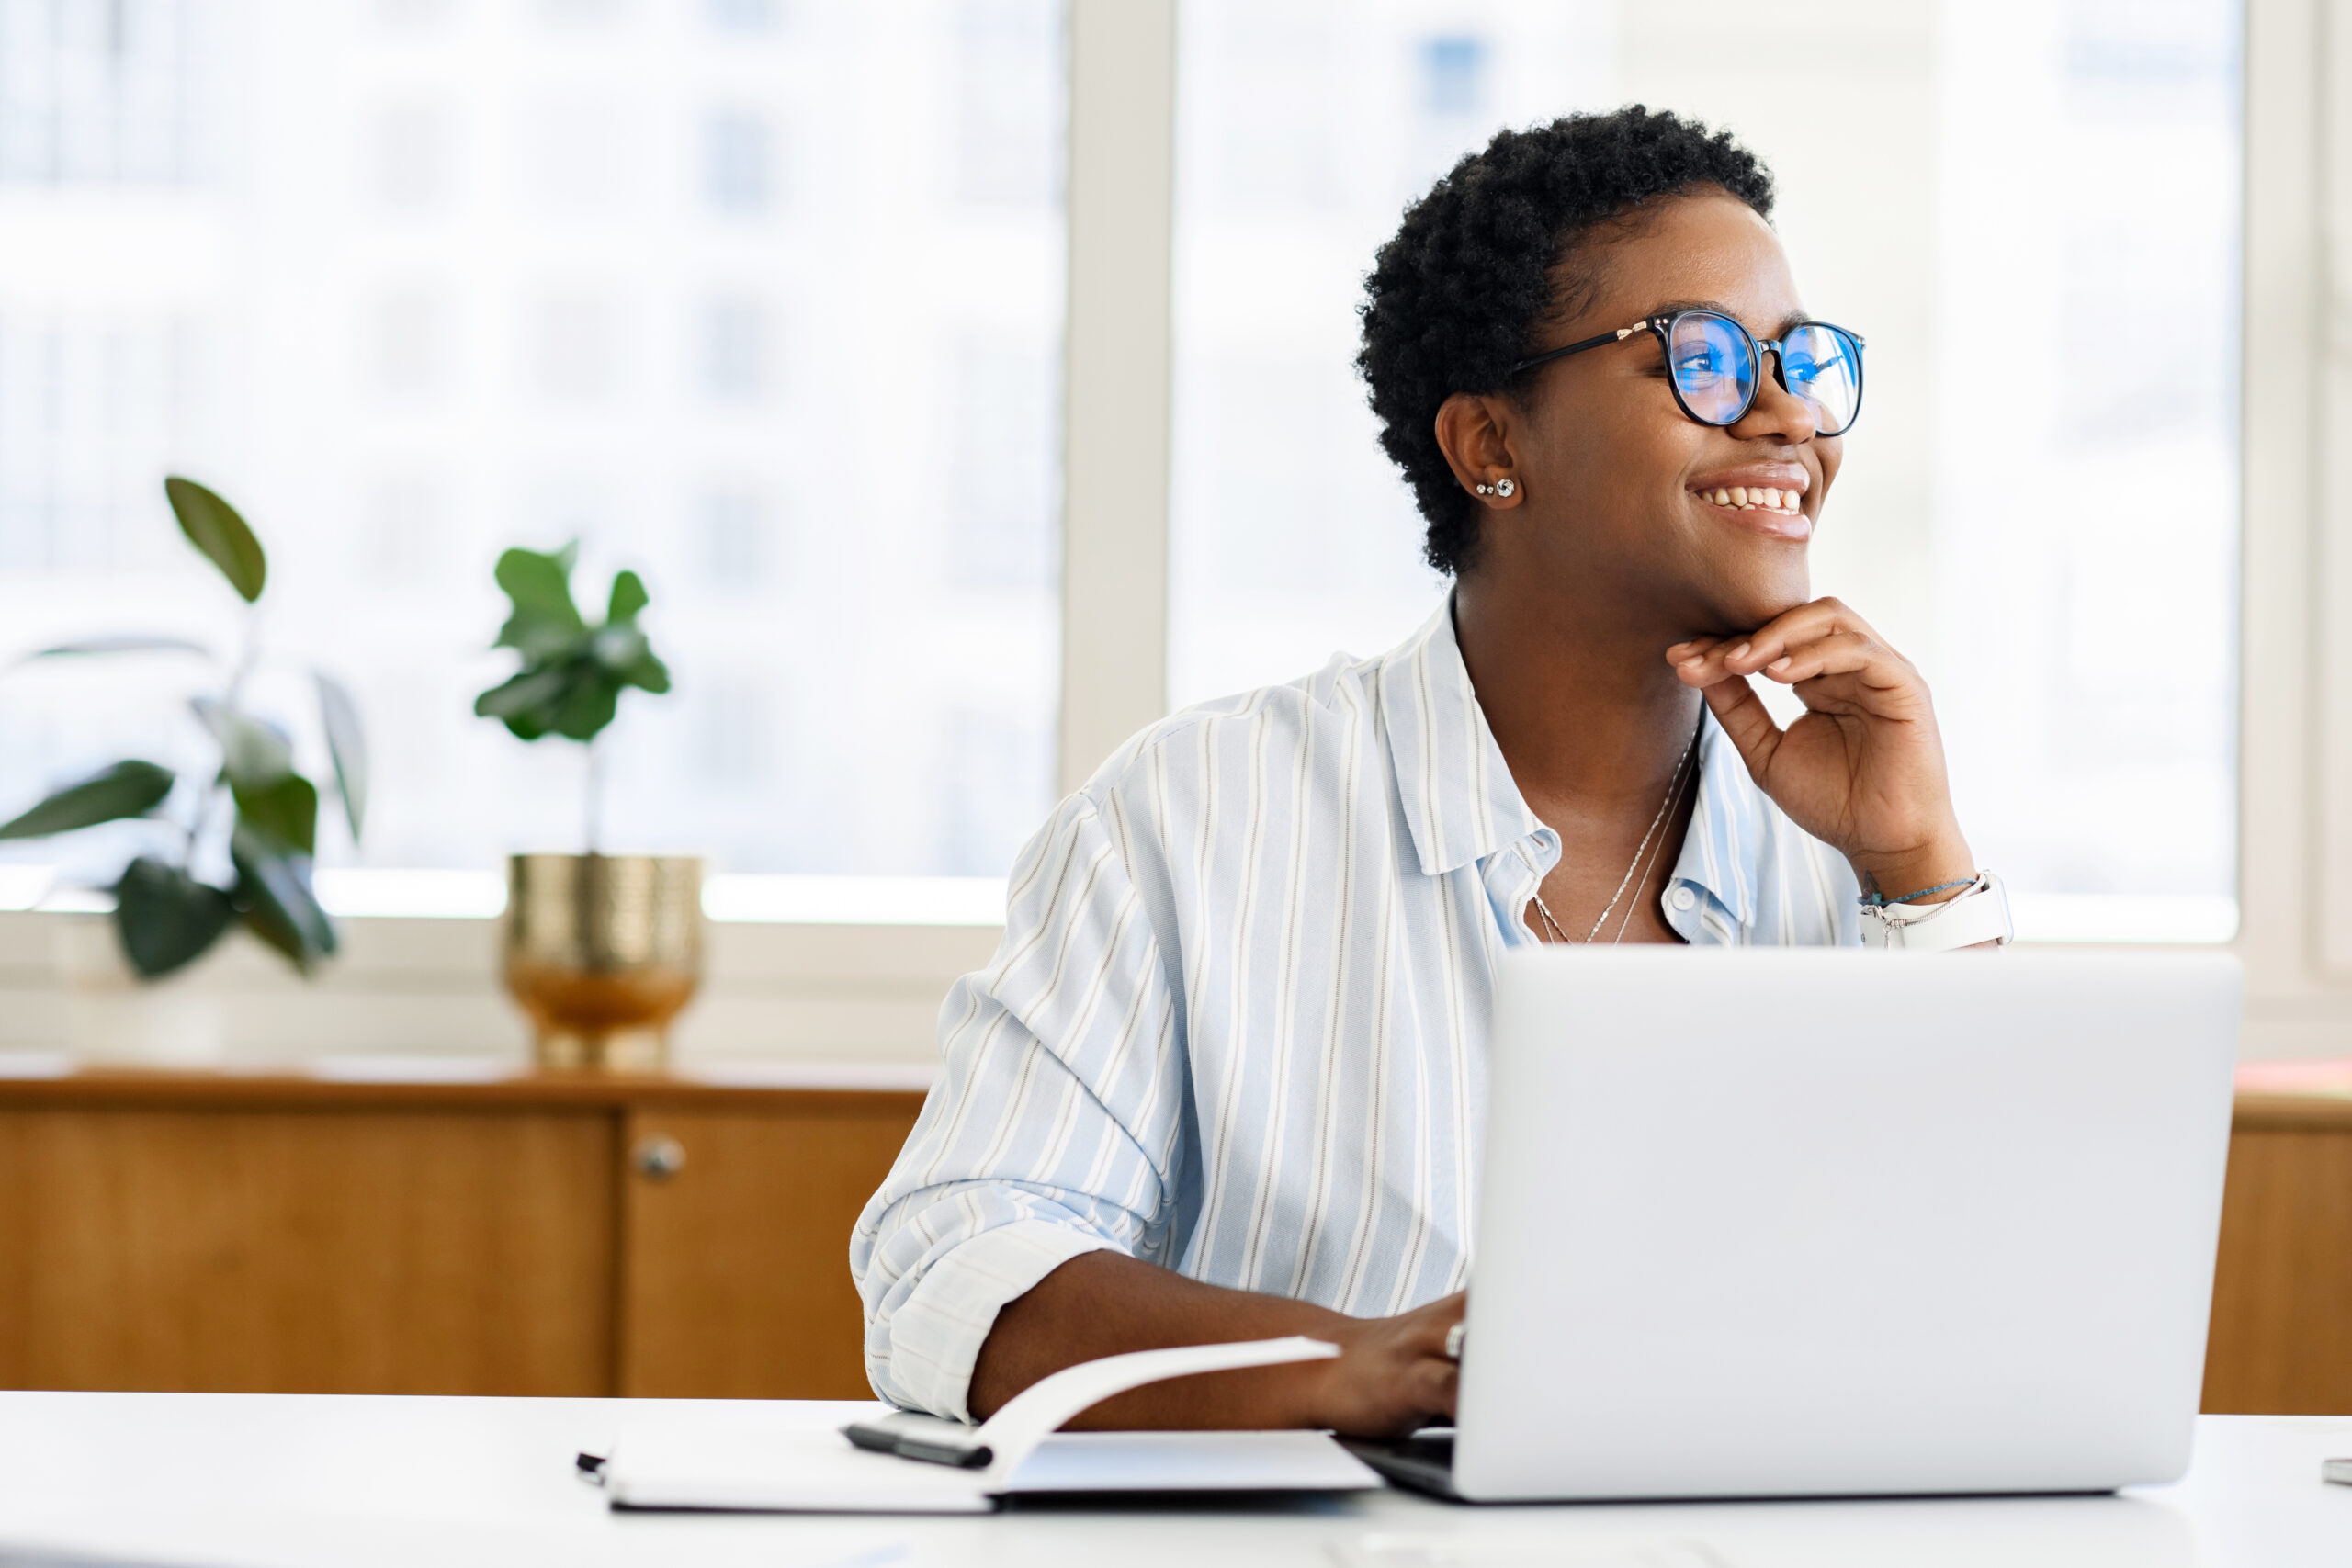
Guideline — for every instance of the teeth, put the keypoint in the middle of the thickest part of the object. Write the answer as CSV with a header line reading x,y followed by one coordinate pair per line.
x,y
1744,499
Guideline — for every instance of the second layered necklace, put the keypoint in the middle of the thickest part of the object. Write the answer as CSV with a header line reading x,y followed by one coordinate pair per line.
x,y
1643,855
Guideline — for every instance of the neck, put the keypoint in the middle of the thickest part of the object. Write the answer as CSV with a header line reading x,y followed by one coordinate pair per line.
x,y
1580,696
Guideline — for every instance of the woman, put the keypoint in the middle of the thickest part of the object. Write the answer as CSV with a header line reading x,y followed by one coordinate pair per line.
x,y
1224,1079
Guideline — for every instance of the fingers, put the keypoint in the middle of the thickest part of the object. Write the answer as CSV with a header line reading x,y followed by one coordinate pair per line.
x,y
1432,1385
1433,1325
1832,650
1837,663
1709,660
1433,1377
1698,662
1807,623
1397,1375
1746,720
1839,653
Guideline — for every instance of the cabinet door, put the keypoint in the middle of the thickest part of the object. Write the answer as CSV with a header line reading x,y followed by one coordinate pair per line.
x,y
735,1255
306,1251
2281,1338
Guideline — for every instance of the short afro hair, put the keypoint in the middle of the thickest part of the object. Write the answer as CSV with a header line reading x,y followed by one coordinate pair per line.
x,y
1455,298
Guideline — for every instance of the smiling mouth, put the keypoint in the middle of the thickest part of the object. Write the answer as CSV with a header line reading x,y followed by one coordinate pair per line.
x,y
1742,498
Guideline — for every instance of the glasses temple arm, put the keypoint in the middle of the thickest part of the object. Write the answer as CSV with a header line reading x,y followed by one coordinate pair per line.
x,y
1620,335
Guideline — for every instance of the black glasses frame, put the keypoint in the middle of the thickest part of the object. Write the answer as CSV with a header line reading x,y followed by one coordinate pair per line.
x,y
1662,326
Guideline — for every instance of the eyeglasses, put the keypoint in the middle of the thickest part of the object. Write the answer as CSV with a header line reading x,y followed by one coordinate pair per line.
x,y
1716,366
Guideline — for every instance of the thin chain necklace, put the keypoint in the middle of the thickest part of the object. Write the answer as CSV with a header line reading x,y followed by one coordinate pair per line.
x,y
1642,856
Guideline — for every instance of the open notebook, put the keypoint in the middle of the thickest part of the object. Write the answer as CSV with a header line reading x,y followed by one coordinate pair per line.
x,y
918,1464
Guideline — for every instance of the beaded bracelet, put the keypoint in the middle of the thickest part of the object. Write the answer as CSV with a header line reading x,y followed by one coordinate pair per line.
x,y
1876,900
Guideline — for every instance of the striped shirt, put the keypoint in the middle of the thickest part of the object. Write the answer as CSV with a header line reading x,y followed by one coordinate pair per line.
x,y
1237,1023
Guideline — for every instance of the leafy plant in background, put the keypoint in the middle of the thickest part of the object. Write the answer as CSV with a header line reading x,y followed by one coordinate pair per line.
x,y
572,673
166,915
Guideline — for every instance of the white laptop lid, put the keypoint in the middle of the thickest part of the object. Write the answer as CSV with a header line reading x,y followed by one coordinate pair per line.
x,y
1812,1221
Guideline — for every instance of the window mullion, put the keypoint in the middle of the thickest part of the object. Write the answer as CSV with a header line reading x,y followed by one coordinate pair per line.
x,y
1117,357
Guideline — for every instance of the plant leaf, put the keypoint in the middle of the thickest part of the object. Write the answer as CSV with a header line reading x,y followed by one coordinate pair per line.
x,y
273,895
573,675
254,754
546,624
530,689
131,643
127,789
587,706
166,918
285,811
629,597
213,526
526,702
648,673
346,746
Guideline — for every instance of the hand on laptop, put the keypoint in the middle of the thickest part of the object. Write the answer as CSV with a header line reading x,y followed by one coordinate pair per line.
x,y
1863,769
1393,1373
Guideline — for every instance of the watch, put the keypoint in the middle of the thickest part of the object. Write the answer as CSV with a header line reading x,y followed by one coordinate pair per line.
x,y
1980,914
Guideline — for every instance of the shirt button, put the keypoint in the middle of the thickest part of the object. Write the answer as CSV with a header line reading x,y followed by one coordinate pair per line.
x,y
1683,899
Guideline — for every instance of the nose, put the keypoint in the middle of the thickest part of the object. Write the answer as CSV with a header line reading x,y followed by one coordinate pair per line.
x,y
1777,413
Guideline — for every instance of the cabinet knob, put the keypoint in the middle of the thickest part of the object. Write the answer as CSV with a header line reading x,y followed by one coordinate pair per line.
x,y
659,1158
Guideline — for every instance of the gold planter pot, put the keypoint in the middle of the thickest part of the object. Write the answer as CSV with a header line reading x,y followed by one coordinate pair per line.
x,y
602,951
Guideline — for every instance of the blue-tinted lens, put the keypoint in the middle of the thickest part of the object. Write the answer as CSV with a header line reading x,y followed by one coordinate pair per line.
x,y
1714,361
1824,366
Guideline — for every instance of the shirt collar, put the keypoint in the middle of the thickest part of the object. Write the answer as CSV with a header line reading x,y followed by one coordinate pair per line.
x,y
1456,790
1462,805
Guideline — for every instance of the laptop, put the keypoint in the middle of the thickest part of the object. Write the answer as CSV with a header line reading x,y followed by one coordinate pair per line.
x,y
1821,1223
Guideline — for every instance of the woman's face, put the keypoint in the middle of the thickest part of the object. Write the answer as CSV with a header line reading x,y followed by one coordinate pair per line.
x,y
1617,484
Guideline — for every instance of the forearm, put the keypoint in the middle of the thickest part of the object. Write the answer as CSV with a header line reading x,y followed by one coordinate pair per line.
x,y
1103,1303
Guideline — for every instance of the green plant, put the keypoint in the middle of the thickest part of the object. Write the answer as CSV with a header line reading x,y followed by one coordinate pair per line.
x,y
572,673
167,915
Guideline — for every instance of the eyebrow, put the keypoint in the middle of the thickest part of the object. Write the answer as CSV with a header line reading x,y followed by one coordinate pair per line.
x,y
1671,306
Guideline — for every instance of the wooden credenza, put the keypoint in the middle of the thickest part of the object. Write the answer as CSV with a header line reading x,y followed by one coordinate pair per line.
x,y
661,1236
2280,1342
522,1237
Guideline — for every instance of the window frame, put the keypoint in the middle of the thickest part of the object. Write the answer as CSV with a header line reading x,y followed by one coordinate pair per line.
x,y
2295,611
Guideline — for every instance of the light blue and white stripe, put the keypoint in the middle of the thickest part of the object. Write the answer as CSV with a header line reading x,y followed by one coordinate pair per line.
x,y
1237,1023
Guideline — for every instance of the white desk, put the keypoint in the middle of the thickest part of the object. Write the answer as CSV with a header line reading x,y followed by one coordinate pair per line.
x,y
322,1482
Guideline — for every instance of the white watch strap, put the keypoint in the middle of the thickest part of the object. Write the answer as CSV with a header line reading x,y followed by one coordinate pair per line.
x,y
1979,915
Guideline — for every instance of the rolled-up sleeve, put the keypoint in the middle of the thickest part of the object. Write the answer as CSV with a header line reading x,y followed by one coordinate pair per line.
x,y
1052,1129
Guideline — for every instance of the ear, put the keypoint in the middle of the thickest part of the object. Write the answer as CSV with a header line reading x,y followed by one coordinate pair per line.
x,y
1477,432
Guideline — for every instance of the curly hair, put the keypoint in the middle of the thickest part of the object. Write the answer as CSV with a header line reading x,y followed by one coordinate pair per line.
x,y
1455,298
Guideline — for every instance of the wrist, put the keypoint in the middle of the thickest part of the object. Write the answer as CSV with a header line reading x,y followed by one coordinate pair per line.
x,y
1325,1391
1947,861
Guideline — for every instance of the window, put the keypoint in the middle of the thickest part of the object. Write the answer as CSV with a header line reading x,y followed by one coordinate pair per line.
x,y
2001,191
738,160
99,95
410,282
734,350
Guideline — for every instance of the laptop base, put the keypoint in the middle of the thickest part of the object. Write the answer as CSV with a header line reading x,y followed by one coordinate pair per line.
x,y
1422,1462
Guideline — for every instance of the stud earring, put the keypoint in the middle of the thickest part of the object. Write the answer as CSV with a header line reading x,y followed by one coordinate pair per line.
x,y
1501,487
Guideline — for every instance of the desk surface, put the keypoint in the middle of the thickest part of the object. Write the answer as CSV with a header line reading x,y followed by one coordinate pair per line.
x,y
264,1480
